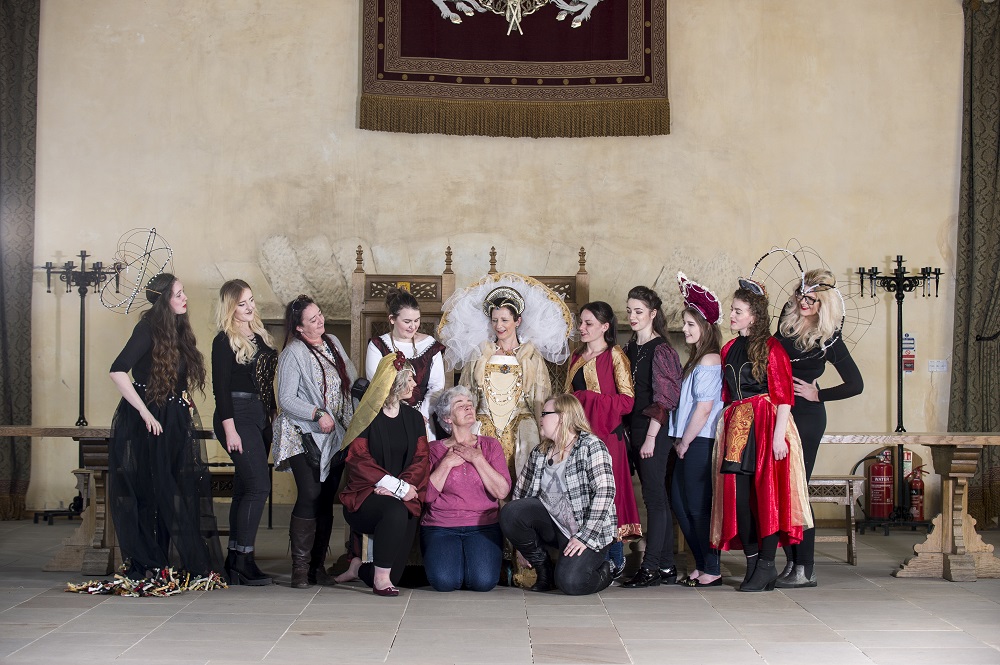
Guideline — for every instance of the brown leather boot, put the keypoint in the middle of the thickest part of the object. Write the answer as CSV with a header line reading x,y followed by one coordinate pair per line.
x,y
303,536
317,562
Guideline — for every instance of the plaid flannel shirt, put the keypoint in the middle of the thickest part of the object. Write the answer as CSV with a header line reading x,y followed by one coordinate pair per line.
x,y
590,485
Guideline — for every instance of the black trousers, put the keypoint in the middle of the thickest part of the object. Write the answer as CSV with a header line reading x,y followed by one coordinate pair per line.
x,y
526,521
691,491
653,476
251,484
746,522
390,524
810,418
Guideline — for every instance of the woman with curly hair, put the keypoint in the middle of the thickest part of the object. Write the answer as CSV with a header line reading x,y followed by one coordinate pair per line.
x,y
159,489
810,333
761,498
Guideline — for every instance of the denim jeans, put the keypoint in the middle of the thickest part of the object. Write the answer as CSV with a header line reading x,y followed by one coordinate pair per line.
x,y
692,499
460,556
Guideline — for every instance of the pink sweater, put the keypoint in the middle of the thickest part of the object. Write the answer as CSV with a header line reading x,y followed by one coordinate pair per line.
x,y
464,501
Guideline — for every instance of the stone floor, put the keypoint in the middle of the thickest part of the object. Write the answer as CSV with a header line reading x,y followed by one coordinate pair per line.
x,y
857,615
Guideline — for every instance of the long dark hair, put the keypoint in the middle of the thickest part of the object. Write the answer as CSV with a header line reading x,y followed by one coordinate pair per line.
x,y
759,331
397,299
293,319
174,343
604,314
652,301
710,340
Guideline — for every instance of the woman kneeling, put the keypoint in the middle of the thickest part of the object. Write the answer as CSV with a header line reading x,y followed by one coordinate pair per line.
x,y
565,498
460,534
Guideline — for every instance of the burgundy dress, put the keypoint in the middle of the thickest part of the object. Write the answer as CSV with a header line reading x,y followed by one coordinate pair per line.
x,y
604,387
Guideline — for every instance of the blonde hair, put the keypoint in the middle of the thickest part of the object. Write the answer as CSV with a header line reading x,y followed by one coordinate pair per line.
x,y
399,384
809,335
572,420
225,320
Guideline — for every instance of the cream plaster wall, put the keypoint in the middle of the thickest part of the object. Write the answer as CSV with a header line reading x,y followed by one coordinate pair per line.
x,y
230,126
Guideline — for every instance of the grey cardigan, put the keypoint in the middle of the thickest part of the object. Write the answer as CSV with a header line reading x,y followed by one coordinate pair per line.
x,y
299,395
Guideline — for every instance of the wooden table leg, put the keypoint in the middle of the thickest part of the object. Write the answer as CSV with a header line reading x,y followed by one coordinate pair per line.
x,y
953,550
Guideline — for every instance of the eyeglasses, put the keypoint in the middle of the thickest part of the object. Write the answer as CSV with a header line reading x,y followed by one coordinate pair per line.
x,y
809,300
548,413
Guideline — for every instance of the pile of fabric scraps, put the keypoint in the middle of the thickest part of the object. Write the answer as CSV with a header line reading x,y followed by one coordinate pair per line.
x,y
165,582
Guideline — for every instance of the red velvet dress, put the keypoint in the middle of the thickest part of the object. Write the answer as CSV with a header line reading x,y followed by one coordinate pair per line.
x,y
604,387
780,493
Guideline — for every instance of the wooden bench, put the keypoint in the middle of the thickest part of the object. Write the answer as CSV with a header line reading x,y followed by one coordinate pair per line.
x,y
843,490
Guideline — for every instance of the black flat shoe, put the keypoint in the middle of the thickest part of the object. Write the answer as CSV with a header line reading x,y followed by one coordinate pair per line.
x,y
668,575
643,578
697,583
388,592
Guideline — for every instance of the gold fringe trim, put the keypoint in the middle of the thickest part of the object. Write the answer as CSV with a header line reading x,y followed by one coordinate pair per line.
x,y
635,117
12,507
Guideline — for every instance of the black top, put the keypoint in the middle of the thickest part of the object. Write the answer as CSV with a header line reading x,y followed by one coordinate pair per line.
x,y
392,442
137,357
738,373
640,357
809,366
229,376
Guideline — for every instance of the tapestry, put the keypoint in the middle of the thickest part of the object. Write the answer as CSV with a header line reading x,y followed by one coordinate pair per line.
x,y
518,68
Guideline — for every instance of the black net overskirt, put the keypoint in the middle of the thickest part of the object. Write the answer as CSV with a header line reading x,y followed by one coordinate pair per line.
x,y
160,492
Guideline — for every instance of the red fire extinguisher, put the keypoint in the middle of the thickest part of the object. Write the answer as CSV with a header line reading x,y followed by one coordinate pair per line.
x,y
880,490
917,493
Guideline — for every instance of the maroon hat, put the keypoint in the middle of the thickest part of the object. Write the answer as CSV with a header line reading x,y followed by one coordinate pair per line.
x,y
699,298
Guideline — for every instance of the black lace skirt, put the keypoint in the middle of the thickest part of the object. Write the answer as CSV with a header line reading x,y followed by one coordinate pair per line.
x,y
160,493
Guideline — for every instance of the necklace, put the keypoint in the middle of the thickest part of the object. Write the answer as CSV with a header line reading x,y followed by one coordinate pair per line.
x,y
640,355
413,341
561,454
505,352
503,396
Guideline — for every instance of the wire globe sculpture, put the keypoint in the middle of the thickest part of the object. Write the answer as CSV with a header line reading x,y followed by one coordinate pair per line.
x,y
781,271
142,254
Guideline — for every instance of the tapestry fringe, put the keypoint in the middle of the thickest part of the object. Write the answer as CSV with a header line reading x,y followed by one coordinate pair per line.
x,y
634,117
12,507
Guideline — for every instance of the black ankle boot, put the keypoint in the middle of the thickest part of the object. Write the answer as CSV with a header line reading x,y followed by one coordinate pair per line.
x,y
751,566
789,568
540,563
763,578
230,557
241,571
668,575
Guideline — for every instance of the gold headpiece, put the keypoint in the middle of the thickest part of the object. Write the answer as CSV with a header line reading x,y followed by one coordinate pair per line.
x,y
503,296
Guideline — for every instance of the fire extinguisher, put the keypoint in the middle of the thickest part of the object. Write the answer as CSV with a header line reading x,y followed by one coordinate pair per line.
x,y
880,490
917,493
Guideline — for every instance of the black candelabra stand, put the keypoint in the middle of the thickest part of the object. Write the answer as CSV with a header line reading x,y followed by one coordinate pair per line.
x,y
900,283
83,278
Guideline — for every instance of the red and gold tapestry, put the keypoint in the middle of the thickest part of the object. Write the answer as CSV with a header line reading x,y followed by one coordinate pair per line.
x,y
538,68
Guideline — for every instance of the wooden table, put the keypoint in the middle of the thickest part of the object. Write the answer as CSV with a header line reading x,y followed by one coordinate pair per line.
x,y
953,550
93,548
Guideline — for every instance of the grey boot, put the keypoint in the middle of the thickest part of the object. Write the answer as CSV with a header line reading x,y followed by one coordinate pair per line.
x,y
797,580
789,567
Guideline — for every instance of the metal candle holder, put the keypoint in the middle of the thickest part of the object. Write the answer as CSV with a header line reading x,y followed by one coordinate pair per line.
x,y
900,283
82,278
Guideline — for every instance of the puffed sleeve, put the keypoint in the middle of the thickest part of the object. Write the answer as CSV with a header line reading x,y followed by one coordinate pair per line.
x,y
372,358
667,378
779,374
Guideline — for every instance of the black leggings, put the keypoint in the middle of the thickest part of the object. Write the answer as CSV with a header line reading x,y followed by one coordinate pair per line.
x,y
315,499
746,522
392,526
251,483
691,492
810,418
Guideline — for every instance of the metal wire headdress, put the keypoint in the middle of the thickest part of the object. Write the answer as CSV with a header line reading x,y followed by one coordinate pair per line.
x,y
782,270
142,254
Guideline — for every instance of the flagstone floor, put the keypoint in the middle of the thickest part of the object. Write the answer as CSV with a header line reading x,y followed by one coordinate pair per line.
x,y
857,615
